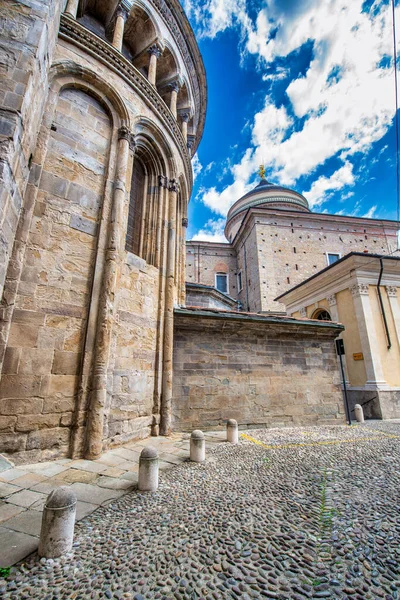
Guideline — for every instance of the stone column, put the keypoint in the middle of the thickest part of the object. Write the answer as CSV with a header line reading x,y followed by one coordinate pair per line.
x,y
185,116
368,337
391,291
118,36
166,396
113,254
155,53
162,185
182,296
174,87
72,8
190,141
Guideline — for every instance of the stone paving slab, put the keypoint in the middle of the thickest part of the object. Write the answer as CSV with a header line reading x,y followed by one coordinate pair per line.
x,y
14,546
24,489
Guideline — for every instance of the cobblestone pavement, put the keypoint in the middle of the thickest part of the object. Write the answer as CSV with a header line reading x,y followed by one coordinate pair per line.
x,y
290,514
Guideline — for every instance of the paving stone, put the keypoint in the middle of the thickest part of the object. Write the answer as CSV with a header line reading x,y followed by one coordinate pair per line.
x,y
12,474
14,546
25,498
48,486
130,476
73,475
28,522
83,509
88,465
28,480
113,460
47,469
6,489
5,464
94,494
114,483
8,510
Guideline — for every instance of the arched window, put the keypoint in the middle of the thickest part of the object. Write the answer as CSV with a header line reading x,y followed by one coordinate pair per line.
x,y
321,315
136,207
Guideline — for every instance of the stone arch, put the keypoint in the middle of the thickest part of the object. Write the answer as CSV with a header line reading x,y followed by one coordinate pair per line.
x,y
321,314
70,74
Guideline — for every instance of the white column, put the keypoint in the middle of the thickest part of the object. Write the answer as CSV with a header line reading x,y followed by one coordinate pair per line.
x,y
118,36
391,291
368,336
155,53
72,8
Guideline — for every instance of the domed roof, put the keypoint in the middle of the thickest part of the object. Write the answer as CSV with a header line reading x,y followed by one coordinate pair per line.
x,y
266,193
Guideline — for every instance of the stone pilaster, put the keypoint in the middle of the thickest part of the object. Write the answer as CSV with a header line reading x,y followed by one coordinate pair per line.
x,y
154,52
166,397
182,297
368,336
114,253
391,291
333,307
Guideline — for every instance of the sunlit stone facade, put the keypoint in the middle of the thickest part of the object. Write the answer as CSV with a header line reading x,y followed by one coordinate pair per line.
x,y
102,106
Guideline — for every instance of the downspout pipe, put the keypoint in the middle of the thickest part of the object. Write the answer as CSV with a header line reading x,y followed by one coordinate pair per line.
x,y
389,343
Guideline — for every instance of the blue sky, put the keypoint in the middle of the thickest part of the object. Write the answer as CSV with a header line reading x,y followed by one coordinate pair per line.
x,y
305,87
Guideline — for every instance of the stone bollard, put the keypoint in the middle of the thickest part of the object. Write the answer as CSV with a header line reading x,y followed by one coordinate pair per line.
x,y
232,431
359,413
58,520
197,446
148,470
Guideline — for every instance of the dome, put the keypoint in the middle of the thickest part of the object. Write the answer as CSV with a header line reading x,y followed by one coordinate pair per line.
x,y
264,194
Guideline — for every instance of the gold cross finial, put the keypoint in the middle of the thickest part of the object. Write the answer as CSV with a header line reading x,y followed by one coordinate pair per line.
x,y
261,171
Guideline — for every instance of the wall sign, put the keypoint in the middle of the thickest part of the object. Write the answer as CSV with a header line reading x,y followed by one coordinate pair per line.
x,y
358,356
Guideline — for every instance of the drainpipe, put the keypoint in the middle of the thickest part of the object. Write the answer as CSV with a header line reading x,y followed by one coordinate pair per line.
x,y
389,343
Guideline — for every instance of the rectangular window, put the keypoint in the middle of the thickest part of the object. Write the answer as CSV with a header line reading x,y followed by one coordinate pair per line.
x,y
239,281
332,258
221,282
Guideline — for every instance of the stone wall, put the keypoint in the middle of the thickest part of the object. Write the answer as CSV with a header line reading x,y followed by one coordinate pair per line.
x,y
292,247
208,297
258,370
28,34
204,259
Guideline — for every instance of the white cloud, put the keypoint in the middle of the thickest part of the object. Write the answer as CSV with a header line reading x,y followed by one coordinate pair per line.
x,y
343,115
213,231
320,189
370,213
196,166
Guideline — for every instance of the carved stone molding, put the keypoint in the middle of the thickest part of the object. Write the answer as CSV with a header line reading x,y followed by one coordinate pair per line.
x,y
122,12
174,86
391,290
125,134
332,300
74,32
359,289
303,312
163,181
185,222
155,50
173,185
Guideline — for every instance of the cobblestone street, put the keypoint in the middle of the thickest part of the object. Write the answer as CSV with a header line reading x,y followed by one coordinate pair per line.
x,y
288,513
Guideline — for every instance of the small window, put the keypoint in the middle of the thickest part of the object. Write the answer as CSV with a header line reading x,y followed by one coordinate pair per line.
x,y
321,315
332,258
239,281
221,282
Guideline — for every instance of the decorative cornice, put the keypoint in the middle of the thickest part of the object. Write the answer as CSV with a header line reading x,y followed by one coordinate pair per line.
x,y
163,181
155,50
185,222
391,291
122,12
74,32
125,134
359,289
174,86
173,185
332,300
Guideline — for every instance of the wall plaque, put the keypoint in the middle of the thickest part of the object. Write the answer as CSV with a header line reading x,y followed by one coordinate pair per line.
x,y
358,356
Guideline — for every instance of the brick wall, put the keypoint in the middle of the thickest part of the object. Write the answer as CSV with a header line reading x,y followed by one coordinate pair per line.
x,y
204,259
255,371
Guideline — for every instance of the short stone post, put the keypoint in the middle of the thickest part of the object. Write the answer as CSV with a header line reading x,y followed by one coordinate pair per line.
x,y
197,446
232,431
58,520
148,470
359,413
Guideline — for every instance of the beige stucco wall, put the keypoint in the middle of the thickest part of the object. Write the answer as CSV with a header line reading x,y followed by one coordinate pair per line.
x,y
390,359
351,336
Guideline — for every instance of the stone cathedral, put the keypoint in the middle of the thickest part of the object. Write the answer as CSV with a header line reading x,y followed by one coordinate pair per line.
x,y
102,106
